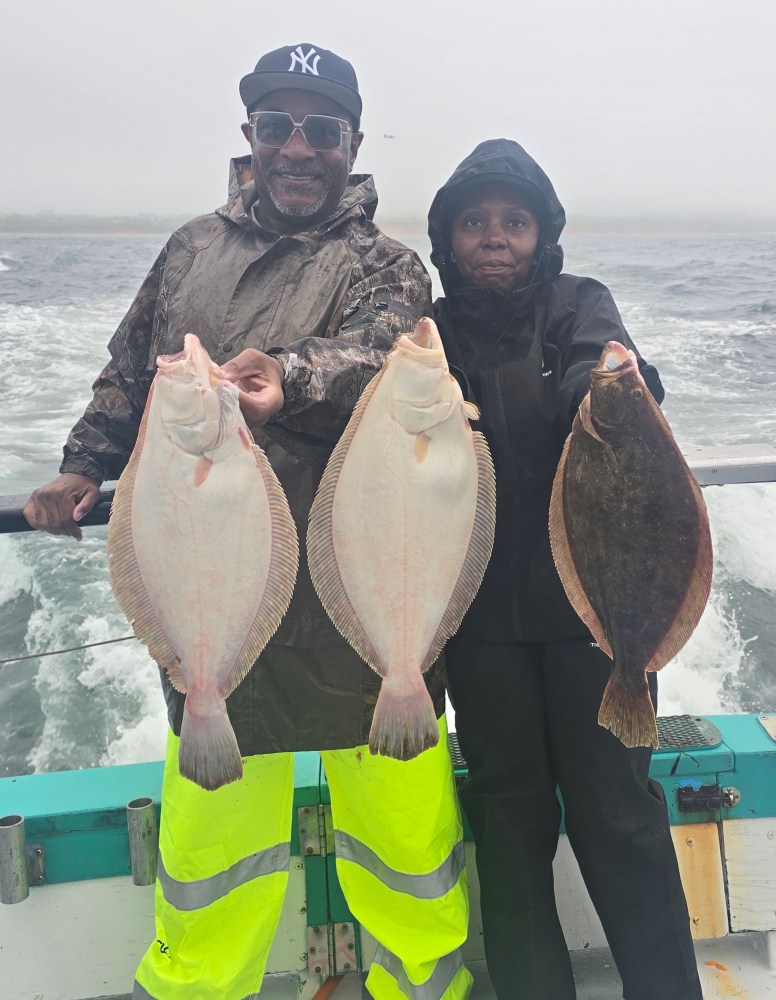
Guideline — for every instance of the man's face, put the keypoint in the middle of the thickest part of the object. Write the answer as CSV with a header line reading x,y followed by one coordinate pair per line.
x,y
299,186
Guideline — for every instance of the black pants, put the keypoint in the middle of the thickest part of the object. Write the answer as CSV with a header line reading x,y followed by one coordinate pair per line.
x,y
526,717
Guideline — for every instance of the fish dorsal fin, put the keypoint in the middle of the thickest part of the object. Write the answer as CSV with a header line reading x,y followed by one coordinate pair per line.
x,y
127,580
477,555
281,578
321,554
692,607
694,602
561,550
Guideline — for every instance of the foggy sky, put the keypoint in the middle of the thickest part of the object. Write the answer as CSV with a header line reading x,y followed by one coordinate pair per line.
x,y
631,107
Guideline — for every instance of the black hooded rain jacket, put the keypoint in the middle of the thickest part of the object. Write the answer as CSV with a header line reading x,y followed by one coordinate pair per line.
x,y
527,356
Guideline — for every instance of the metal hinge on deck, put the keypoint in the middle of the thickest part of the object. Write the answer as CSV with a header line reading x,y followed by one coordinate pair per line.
x,y
316,832
320,950
331,947
706,798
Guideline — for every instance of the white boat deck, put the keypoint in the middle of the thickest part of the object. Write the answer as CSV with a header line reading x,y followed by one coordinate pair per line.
x,y
110,918
741,966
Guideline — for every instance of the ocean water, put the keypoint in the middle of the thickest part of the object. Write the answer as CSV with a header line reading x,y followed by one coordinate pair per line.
x,y
700,307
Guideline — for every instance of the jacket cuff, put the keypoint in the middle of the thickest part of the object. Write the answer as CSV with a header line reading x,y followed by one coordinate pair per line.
x,y
296,379
82,466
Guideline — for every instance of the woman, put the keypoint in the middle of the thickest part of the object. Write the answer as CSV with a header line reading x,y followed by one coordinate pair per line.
x,y
525,677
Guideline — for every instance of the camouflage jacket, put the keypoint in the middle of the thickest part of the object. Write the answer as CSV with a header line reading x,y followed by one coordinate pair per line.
x,y
329,304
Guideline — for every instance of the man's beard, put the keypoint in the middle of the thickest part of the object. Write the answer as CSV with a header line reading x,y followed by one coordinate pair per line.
x,y
298,210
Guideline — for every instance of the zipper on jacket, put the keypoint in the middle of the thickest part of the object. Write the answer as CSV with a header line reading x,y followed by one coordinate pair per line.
x,y
498,396
508,452
494,379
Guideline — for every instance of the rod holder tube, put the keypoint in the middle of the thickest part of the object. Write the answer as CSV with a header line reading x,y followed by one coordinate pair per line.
x,y
14,886
143,840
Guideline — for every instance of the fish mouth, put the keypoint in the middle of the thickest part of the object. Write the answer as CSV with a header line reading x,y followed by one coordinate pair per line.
x,y
423,345
614,360
191,361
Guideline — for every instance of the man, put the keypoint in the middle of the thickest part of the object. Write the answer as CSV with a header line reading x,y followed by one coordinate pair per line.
x,y
294,290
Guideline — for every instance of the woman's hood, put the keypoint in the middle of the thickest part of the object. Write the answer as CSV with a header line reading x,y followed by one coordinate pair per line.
x,y
499,160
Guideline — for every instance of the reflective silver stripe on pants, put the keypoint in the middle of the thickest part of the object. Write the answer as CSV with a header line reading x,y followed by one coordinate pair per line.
x,y
436,984
204,891
140,993
430,885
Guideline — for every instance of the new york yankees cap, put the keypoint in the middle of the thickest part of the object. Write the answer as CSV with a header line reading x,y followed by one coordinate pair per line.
x,y
303,67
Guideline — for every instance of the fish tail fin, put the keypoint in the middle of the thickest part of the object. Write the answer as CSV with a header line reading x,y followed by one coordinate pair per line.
x,y
208,754
404,722
628,714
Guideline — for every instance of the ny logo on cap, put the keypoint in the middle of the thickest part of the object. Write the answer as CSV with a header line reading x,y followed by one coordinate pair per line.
x,y
303,61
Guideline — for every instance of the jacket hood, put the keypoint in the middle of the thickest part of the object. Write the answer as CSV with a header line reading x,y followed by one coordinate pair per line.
x,y
359,196
507,161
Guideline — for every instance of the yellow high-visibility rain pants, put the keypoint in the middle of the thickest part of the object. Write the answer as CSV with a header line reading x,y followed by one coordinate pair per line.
x,y
223,869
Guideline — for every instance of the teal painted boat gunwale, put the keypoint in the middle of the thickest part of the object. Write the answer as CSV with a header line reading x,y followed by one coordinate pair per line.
x,y
675,769
745,760
307,781
755,766
80,816
80,819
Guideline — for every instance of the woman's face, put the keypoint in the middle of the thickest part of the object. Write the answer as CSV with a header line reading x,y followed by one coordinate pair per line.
x,y
494,236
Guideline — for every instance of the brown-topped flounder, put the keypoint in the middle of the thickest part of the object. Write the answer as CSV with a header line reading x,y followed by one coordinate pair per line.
x,y
630,537
401,531
203,550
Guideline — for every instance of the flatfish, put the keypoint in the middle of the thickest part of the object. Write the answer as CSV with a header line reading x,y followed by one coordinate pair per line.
x,y
630,538
401,531
203,550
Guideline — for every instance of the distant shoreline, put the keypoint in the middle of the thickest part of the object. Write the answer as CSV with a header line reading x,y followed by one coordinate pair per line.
x,y
152,225
52,224
637,226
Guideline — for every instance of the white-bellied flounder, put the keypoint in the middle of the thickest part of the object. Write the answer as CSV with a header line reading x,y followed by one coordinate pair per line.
x,y
630,537
401,531
203,550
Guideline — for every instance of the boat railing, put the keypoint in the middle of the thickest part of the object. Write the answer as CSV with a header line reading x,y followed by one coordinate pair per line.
x,y
717,465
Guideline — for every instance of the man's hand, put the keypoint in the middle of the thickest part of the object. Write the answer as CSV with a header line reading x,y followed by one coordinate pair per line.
x,y
57,506
259,377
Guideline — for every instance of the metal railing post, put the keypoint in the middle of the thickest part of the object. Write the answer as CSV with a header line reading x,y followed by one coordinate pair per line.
x,y
143,840
14,886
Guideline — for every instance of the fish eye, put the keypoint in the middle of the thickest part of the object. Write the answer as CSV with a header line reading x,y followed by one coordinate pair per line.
x,y
637,393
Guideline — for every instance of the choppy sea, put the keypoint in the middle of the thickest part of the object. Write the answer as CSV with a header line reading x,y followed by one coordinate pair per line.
x,y
700,307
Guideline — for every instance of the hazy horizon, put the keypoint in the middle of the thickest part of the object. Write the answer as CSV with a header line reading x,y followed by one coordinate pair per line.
x,y
633,110
52,222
